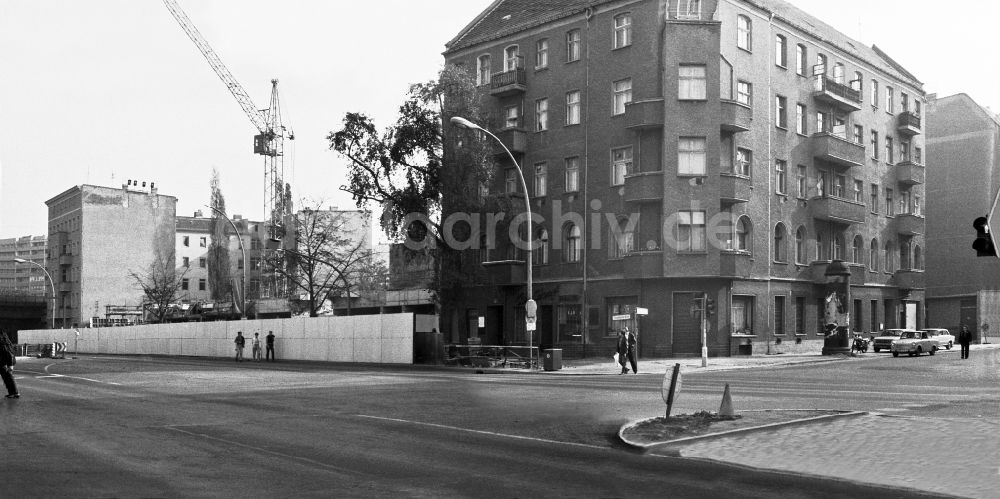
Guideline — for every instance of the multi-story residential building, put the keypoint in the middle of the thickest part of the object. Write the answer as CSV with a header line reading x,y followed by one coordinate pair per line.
x,y
680,148
97,237
23,278
964,139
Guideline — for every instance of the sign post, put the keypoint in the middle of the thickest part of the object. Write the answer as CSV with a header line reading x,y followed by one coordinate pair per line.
x,y
530,309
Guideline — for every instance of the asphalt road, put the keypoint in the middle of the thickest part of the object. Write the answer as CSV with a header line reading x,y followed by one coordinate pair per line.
x,y
160,427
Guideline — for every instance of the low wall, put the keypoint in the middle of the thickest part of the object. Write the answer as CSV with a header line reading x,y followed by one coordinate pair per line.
x,y
383,339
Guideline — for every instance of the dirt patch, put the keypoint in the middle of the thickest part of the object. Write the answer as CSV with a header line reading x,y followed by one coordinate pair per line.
x,y
704,422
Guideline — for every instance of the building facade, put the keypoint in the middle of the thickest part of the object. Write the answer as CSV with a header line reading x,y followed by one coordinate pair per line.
x,y
964,139
97,237
728,149
23,278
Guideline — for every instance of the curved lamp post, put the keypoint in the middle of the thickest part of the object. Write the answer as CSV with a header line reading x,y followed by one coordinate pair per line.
x,y
530,307
243,307
51,285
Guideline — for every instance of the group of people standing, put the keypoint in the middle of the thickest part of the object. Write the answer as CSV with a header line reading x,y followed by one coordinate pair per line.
x,y
627,343
241,343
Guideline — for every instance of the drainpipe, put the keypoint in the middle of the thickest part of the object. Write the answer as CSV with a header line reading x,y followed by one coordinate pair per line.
x,y
584,233
770,160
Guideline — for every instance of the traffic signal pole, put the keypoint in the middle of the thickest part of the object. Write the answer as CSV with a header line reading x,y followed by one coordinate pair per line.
x,y
704,330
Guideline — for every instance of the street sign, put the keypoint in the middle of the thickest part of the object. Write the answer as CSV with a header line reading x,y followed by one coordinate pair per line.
x,y
641,311
622,317
529,326
482,321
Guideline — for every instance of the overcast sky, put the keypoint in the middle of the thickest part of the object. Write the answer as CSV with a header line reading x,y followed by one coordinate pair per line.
x,y
101,91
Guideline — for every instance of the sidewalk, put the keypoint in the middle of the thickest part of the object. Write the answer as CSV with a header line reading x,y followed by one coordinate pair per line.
x,y
691,364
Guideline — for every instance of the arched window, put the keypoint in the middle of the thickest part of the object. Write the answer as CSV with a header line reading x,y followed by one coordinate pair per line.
x,y
622,239
873,256
857,253
572,251
780,252
918,258
744,32
744,234
800,245
542,251
483,70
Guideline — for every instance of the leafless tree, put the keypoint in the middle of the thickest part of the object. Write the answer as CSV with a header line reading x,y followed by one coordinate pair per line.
x,y
160,284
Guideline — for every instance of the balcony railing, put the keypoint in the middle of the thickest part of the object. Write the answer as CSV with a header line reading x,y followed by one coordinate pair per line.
x,y
644,114
837,150
508,83
734,263
908,279
734,188
643,264
644,187
506,272
909,173
735,116
515,139
908,123
837,210
841,96
908,224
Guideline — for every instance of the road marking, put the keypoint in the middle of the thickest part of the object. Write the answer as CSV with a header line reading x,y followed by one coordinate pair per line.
x,y
50,375
483,432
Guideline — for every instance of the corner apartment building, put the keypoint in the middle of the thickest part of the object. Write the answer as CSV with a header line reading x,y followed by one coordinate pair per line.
x,y
964,140
97,235
23,278
683,148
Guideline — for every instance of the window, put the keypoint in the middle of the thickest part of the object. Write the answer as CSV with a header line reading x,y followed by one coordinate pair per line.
x,y
888,151
916,107
622,95
542,251
801,60
541,179
874,198
573,45
904,202
570,319
800,245
511,58
918,261
573,107
780,105
744,92
904,256
780,176
821,183
859,134
541,115
875,326
779,315
781,51
918,155
690,231
623,30
888,99
874,93
239,264
916,205
744,161
692,9
873,256
857,250
510,180
726,153
800,119
889,209
618,307
571,244
187,262
744,33
572,174
800,174
542,53
874,144
185,283
800,315
203,242
904,101
512,116
692,83
202,263
859,188
622,238
741,315
483,70
887,264
858,82
822,122
780,254
838,73
904,151
691,156
840,186
744,231
821,249
201,285
187,241
621,164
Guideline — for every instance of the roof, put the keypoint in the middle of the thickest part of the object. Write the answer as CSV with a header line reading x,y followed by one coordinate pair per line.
x,y
985,112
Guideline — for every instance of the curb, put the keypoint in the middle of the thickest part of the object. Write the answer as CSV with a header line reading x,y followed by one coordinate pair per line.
x,y
695,369
672,447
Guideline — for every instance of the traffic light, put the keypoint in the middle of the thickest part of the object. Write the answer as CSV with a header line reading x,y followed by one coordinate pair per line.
x,y
710,307
984,239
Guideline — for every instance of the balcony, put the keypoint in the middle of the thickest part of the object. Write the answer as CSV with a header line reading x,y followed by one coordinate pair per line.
x,y
838,95
836,150
734,263
643,264
644,114
644,187
506,272
837,210
65,287
735,117
514,139
508,83
908,123
908,224
66,259
734,188
908,279
909,173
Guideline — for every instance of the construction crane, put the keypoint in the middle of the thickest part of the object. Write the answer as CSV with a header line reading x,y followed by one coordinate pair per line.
x,y
270,139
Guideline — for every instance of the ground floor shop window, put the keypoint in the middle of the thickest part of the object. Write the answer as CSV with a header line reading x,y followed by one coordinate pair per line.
x,y
570,318
618,309
741,315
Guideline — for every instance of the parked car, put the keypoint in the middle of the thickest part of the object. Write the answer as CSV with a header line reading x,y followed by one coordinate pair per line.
x,y
913,342
885,339
943,337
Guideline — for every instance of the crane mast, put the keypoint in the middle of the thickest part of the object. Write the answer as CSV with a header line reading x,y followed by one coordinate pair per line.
x,y
269,141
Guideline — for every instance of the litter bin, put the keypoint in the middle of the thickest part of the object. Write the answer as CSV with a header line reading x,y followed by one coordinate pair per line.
x,y
552,359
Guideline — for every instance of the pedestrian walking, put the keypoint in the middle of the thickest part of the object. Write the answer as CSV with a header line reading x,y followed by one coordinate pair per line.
x,y
7,361
964,339
240,343
256,347
632,341
622,351
270,346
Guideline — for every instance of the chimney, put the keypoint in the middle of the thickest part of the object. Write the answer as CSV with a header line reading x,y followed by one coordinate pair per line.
x,y
237,217
197,214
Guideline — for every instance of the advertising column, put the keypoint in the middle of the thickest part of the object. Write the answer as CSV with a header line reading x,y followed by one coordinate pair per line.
x,y
837,309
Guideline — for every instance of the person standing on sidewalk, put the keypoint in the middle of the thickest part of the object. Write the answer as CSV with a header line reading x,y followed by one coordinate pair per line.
x,y
964,339
632,349
270,346
240,343
622,350
7,361
256,347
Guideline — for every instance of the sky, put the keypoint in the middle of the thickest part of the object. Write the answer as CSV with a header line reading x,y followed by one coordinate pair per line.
x,y
103,91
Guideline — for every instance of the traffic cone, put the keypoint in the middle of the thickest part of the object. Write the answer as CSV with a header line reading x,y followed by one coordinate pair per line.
x,y
726,409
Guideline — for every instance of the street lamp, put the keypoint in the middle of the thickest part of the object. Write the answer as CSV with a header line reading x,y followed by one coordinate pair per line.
x,y
530,306
243,307
51,285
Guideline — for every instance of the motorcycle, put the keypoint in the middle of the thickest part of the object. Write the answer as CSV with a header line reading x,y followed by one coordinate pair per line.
x,y
860,345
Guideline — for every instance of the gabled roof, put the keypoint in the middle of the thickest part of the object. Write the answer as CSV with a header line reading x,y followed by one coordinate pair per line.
x,y
985,113
504,17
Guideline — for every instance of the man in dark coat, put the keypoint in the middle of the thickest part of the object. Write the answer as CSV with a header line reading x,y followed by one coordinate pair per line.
x,y
622,350
632,349
240,343
269,343
964,339
7,361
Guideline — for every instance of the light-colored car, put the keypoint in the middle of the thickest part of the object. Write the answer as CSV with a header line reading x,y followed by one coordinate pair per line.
x,y
943,337
913,343
885,339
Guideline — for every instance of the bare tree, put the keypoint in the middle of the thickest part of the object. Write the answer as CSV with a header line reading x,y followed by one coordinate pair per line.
x,y
160,284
